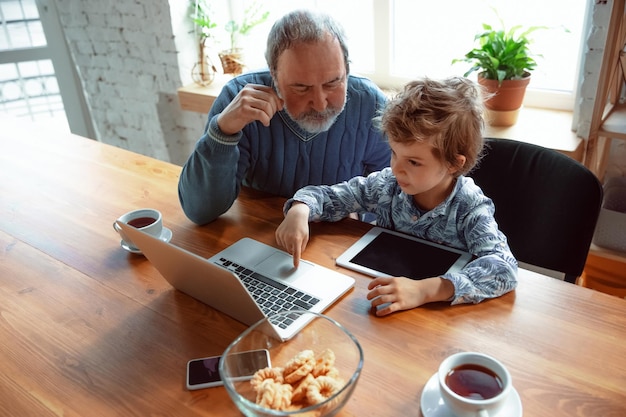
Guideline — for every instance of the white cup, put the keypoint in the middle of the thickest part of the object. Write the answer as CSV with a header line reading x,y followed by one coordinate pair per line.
x,y
146,219
471,365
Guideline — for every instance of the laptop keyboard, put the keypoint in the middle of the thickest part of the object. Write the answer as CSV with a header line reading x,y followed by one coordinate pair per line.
x,y
271,296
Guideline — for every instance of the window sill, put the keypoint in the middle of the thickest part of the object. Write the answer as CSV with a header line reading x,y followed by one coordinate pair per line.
x,y
197,98
549,128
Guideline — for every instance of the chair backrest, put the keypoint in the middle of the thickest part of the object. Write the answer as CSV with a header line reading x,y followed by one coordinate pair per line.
x,y
547,204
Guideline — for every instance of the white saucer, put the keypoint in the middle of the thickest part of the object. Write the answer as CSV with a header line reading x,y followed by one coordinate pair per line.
x,y
432,405
166,236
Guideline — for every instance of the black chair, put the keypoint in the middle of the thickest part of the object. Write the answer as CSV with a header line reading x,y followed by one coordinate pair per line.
x,y
547,204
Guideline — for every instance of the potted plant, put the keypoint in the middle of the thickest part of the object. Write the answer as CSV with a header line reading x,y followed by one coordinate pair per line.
x,y
504,63
231,58
203,72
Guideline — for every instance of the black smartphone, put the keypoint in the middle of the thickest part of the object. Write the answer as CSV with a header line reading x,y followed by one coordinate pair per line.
x,y
204,372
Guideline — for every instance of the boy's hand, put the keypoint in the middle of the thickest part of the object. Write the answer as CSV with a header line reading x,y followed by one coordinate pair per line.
x,y
293,233
389,295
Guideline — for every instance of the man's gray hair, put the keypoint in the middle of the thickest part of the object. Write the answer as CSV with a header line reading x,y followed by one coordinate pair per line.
x,y
302,26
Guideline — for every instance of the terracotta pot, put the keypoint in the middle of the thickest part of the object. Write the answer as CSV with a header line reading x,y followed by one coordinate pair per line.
x,y
506,101
508,96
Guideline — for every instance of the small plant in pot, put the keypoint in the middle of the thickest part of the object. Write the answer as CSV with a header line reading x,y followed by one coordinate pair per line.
x,y
203,72
232,58
504,64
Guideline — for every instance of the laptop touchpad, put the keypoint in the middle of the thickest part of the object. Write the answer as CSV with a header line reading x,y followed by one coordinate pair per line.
x,y
280,265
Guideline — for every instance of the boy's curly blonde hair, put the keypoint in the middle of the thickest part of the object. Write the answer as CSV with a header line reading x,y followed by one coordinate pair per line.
x,y
447,114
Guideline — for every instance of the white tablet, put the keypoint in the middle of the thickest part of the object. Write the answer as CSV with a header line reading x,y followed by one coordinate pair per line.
x,y
386,253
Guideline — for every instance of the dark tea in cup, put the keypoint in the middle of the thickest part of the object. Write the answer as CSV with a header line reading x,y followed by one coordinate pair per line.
x,y
474,384
149,220
474,381
141,222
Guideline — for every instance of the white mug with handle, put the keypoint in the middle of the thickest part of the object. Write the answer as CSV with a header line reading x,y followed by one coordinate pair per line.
x,y
473,384
146,219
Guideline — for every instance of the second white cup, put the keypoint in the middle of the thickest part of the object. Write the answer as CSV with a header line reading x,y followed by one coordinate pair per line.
x,y
473,384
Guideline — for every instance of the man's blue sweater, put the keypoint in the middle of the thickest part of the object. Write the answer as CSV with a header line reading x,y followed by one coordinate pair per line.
x,y
282,158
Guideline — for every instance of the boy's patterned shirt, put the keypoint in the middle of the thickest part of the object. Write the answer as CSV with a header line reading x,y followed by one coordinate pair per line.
x,y
465,220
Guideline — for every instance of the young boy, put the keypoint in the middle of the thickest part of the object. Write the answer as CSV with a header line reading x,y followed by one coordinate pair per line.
x,y
435,131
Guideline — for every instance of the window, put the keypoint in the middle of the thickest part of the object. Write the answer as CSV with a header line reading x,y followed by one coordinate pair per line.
x,y
392,41
31,48
28,86
437,41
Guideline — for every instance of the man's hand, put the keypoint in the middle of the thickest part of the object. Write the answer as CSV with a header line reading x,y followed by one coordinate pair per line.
x,y
293,233
253,102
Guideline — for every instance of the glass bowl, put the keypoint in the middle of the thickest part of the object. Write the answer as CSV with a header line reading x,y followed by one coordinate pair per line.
x,y
320,391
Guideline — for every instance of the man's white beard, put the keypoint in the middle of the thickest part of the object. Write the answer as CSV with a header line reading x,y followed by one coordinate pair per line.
x,y
317,122
314,121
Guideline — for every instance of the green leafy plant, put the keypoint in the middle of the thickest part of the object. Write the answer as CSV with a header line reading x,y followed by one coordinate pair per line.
x,y
252,16
501,54
201,17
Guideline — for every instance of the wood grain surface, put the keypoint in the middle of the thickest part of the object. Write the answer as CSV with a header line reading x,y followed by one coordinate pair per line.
x,y
87,329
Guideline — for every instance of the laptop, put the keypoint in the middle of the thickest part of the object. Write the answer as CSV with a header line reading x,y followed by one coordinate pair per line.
x,y
248,280
388,253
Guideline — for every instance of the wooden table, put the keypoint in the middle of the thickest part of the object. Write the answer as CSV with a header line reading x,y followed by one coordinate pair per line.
x,y
87,329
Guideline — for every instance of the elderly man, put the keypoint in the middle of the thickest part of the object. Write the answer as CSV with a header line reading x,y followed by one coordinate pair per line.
x,y
305,121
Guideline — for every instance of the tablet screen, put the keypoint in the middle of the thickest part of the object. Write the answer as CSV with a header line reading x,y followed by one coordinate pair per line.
x,y
398,256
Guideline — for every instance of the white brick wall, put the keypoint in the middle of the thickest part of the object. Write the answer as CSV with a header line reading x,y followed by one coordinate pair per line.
x,y
127,59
